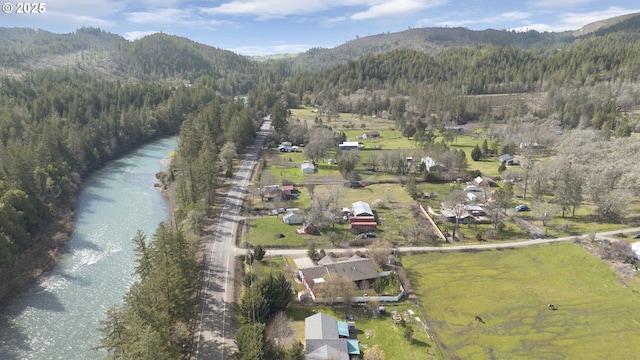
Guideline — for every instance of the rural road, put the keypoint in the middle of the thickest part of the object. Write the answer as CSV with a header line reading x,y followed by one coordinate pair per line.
x,y
417,249
216,298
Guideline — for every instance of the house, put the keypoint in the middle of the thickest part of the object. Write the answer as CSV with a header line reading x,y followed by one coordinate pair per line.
x,y
361,208
506,159
360,270
292,217
307,228
269,192
289,192
307,168
328,338
485,181
464,218
432,166
348,145
371,135
472,197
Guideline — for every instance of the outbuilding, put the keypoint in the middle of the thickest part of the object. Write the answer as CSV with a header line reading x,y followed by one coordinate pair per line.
x,y
308,168
348,145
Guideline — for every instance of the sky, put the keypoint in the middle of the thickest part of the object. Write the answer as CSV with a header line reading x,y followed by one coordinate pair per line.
x,y
263,27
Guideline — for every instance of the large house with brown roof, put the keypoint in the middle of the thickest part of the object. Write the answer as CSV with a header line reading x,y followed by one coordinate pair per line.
x,y
362,271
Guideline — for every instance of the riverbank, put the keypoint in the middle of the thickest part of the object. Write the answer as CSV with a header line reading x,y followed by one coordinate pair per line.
x,y
35,262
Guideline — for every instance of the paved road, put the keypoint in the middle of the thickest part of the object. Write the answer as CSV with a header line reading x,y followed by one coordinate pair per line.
x,y
213,341
303,252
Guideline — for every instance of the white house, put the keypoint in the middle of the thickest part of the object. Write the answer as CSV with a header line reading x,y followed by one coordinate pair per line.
x,y
308,168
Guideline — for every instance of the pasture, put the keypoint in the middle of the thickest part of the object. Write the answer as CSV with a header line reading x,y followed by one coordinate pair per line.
x,y
597,314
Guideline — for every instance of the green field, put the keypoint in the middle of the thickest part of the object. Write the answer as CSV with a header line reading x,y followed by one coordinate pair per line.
x,y
597,314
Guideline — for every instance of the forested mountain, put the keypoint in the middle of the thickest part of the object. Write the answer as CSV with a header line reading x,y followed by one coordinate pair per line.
x,y
436,39
158,57
592,75
427,40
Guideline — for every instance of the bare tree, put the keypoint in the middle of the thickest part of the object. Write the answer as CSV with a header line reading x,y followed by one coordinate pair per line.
x,y
280,331
320,141
347,161
544,211
337,287
379,252
456,199
227,154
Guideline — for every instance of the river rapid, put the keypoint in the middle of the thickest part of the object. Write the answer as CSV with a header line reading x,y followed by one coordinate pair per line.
x,y
59,317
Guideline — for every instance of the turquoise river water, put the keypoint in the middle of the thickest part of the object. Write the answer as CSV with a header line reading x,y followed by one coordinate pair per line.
x,y
59,317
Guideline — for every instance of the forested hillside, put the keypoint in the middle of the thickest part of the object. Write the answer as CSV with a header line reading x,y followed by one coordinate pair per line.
x,y
594,76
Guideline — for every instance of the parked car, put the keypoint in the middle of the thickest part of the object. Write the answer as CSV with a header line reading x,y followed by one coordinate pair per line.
x,y
636,236
471,188
368,235
522,208
277,211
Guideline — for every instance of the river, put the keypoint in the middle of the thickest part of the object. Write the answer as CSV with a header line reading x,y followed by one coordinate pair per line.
x,y
59,317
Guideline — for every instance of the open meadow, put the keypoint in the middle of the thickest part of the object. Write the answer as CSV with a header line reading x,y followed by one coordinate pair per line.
x,y
596,317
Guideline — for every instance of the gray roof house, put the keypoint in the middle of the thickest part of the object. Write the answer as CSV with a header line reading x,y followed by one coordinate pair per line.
x,y
506,159
328,338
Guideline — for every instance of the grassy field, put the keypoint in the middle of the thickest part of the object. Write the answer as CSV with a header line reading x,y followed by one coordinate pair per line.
x,y
596,317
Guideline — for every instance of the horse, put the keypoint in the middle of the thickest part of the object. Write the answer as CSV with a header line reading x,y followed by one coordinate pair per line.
x,y
479,319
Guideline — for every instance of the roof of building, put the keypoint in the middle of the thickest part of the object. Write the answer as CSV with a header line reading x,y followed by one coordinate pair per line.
x,y
349,143
288,188
320,326
361,208
328,259
323,349
327,338
355,269
307,166
505,157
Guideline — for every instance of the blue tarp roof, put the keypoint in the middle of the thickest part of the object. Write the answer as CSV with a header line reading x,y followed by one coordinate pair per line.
x,y
343,329
353,347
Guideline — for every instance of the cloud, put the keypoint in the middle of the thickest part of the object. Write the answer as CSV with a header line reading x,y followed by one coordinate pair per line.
x,y
269,50
557,4
395,7
499,20
160,16
137,35
360,9
266,9
576,20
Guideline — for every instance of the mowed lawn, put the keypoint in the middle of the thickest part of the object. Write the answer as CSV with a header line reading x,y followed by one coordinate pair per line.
x,y
597,316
